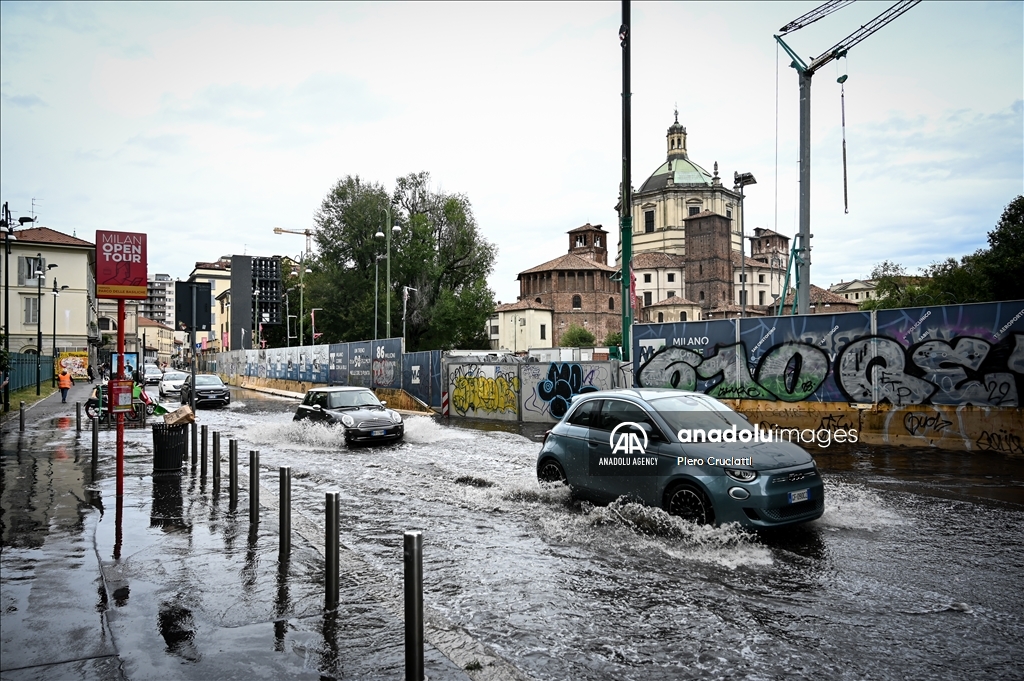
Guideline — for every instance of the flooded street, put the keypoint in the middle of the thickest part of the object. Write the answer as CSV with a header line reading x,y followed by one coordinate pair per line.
x,y
914,571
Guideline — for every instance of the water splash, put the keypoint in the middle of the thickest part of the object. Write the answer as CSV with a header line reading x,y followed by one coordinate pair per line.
x,y
854,507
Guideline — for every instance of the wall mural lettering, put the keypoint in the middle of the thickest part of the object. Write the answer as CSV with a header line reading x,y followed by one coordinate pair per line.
x,y
564,381
474,391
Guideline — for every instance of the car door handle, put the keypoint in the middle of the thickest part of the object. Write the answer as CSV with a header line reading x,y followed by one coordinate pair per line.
x,y
594,444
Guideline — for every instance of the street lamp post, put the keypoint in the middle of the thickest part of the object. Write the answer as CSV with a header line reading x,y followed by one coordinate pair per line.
x,y
301,274
40,274
256,317
288,317
312,319
386,234
56,292
8,223
405,306
376,290
741,180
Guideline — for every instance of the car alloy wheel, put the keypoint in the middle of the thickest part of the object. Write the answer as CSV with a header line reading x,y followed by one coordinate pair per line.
x,y
550,471
690,504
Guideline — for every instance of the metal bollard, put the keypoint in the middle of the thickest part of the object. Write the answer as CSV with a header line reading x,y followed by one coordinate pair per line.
x,y
78,417
195,441
204,438
331,548
414,606
286,512
95,437
254,486
233,472
216,460
21,416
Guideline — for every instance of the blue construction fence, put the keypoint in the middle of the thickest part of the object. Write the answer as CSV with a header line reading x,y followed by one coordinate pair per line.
x,y
370,364
946,354
23,370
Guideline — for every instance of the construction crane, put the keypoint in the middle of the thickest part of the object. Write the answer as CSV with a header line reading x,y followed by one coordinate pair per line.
x,y
307,232
802,244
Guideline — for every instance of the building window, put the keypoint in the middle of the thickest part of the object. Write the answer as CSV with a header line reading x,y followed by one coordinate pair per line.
x,y
647,279
577,302
700,297
693,210
760,297
494,330
728,212
661,317
536,300
743,297
856,296
31,308
671,276
743,278
611,303
543,331
700,269
648,221
760,279
671,294
647,298
682,316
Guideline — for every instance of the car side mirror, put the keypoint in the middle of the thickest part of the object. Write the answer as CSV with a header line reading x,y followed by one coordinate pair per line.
x,y
383,403
317,407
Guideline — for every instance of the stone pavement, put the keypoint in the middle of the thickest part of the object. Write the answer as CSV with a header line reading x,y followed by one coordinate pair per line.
x,y
172,581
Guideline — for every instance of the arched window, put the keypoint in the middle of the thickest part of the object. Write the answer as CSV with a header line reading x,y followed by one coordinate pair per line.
x,y
536,300
611,303
661,317
577,302
701,296
682,316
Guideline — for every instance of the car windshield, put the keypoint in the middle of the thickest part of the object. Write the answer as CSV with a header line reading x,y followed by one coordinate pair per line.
x,y
174,376
208,380
356,398
693,412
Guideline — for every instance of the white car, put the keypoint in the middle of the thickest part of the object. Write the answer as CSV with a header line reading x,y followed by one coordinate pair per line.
x,y
171,382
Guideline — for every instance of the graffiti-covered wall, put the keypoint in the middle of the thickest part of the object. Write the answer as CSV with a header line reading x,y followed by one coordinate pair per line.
x,y
948,355
548,387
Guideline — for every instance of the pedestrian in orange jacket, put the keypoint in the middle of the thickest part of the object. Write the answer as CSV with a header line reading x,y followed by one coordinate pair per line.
x,y
65,381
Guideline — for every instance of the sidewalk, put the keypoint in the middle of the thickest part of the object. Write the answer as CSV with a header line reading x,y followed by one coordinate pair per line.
x,y
173,583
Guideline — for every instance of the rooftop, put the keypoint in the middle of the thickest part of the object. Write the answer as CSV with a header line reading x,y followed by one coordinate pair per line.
x,y
45,235
569,262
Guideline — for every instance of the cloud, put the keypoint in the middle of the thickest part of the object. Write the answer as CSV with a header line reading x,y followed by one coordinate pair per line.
x,y
22,101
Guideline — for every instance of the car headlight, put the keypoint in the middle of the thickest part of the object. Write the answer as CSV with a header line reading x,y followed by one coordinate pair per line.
x,y
395,416
347,420
741,474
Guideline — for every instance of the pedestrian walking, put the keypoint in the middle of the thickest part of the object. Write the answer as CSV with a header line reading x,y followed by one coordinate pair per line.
x,y
90,373
65,382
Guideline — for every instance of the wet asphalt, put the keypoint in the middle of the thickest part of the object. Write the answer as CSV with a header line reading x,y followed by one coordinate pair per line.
x,y
172,580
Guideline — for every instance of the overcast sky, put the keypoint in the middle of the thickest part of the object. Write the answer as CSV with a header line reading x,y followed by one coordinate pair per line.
x,y
207,125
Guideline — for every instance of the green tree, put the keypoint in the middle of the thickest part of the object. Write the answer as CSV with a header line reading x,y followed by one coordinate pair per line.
x,y
614,338
438,258
576,337
1003,264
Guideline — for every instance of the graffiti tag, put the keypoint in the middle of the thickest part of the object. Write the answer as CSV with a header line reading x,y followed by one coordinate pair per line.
x,y
564,381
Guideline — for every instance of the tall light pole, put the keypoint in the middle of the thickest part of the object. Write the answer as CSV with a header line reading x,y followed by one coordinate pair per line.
x,y
312,319
256,317
405,306
7,222
386,234
376,290
302,267
56,292
288,317
40,274
741,180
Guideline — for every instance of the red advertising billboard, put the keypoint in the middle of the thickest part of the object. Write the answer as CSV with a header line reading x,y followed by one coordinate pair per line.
x,y
120,265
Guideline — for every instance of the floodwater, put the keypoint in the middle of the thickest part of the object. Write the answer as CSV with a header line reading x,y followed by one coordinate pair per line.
x,y
913,571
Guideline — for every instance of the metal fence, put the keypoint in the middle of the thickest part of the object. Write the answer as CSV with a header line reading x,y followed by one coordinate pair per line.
x,y
23,370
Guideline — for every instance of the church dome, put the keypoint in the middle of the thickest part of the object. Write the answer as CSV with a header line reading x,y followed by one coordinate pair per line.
x,y
683,171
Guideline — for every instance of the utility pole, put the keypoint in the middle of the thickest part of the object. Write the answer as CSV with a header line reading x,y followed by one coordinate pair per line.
x,y
626,205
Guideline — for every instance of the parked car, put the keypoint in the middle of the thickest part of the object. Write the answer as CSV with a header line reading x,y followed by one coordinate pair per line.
x,y
365,418
639,443
171,382
209,389
152,374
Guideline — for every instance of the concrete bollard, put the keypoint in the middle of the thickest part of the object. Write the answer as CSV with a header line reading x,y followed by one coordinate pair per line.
x,y
332,551
216,460
286,512
233,472
21,417
414,606
78,417
204,438
254,486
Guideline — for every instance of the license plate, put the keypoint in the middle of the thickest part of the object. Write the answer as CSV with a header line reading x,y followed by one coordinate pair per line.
x,y
377,433
799,495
